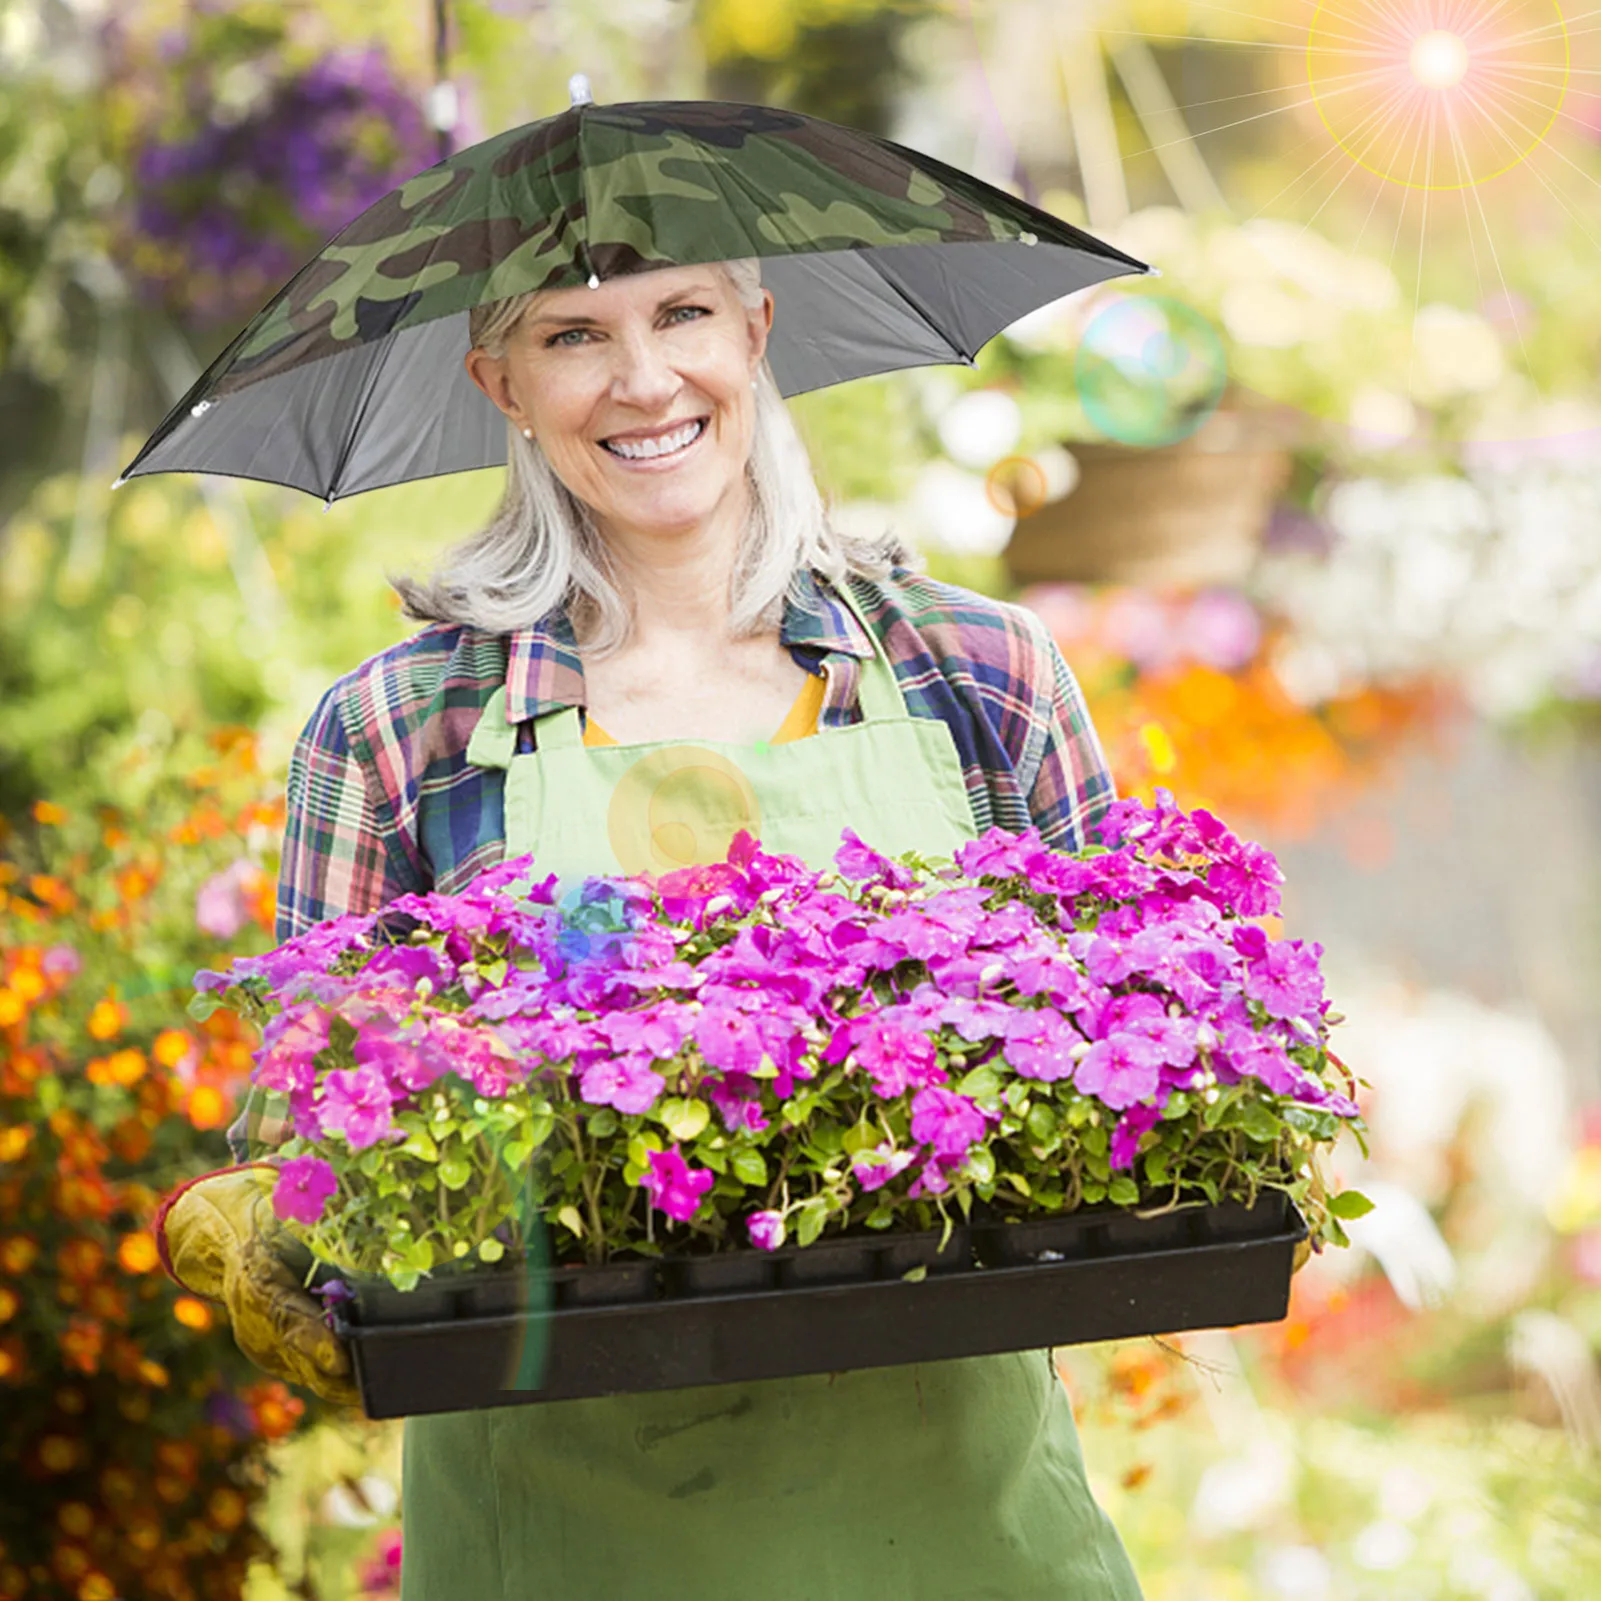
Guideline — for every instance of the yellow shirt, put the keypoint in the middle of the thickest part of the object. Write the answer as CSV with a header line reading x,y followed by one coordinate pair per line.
x,y
800,721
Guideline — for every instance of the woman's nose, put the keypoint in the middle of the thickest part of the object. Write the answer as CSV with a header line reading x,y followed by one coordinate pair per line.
x,y
641,371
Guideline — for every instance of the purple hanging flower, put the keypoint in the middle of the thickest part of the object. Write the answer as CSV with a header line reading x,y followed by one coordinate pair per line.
x,y
623,1082
1120,1070
1131,1129
874,1169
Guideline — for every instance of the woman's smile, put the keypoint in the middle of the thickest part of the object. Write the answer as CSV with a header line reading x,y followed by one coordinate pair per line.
x,y
658,450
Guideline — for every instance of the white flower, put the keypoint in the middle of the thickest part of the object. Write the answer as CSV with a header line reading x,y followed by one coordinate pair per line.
x,y
1456,352
980,428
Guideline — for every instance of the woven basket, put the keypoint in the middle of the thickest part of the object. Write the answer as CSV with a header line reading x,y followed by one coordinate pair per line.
x,y
1183,515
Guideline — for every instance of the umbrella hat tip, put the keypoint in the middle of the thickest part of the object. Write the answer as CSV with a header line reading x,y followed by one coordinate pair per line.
x,y
119,481
578,90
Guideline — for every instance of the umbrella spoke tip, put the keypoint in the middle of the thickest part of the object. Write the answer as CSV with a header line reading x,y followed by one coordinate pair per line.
x,y
578,90
118,481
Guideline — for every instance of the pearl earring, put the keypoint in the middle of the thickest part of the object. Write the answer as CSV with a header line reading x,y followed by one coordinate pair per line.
x,y
528,433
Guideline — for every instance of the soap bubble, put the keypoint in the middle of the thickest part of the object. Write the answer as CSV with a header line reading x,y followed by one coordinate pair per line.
x,y
1149,371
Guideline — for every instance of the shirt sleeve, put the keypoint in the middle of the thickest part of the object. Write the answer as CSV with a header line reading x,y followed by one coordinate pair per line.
x,y
341,854
1072,786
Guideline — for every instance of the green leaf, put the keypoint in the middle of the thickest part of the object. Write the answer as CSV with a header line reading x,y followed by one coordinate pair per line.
x,y
1042,1121
491,1250
810,1219
1123,1191
1349,1204
750,1167
684,1119
203,1003
1094,1193
421,1144
1156,1167
455,1172
983,1083
1259,1122
1095,1139
915,1275
1020,1184
602,1123
570,1220
981,1164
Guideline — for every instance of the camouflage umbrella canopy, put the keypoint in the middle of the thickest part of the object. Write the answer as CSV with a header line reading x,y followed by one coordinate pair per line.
x,y
350,378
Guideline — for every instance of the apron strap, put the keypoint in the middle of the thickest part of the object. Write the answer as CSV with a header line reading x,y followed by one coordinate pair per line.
x,y
878,691
493,739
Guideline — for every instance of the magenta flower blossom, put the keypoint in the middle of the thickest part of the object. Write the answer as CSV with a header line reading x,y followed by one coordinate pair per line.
x,y
305,1186
1040,1045
356,1103
875,1168
289,1043
728,1039
766,1230
1131,1129
674,1186
893,1056
738,1102
623,1082
1283,975
1120,1070
859,861
949,1122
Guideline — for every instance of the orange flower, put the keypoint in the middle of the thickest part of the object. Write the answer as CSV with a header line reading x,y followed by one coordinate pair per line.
x,y
225,1508
12,1009
82,1343
208,1107
26,980
52,893
154,1374
274,1410
178,1456
58,1453
18,1253
80,1258
107,1020
14,1142
107,1302
137,1253
76,1519
13,1361
96,1587
133,884
131,1140
126,1067
193,1313
171,1046
71,1562
49,814
118,1484
9,1302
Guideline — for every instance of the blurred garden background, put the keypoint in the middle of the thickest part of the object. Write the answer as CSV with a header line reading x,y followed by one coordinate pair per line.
x,y
1315,517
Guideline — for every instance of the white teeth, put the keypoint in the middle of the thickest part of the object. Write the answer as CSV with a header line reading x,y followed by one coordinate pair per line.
x,y
640,449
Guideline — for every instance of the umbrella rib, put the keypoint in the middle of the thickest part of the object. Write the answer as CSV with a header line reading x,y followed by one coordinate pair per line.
x,y
927,321
347,449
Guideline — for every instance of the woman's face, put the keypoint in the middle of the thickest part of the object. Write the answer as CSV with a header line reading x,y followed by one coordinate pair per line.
x,y
638,391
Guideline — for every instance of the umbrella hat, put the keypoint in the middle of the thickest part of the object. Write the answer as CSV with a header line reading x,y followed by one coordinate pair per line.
x,y
350,378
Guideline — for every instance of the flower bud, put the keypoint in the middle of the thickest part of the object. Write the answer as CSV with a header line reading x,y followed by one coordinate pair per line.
x,y
993,973
1210,1096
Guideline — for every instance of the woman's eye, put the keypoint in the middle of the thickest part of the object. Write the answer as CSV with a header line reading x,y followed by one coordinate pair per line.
x,y
556,339
701,311
672,316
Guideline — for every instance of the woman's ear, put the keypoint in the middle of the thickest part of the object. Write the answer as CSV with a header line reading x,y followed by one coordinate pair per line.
x,y
489,373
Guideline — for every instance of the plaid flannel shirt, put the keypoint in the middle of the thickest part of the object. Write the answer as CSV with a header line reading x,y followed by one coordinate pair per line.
x,y
382,801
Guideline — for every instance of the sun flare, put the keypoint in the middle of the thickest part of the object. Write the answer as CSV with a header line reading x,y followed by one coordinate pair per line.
x,y
1439,59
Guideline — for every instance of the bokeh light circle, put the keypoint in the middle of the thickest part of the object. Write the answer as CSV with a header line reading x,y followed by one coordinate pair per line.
x,y
1149,370
1431,102
1016,486
679,806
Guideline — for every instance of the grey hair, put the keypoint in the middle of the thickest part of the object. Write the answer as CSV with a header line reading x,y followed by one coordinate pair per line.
x,y
541,547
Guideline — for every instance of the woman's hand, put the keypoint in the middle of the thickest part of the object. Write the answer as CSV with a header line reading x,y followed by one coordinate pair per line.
x,y
223,1242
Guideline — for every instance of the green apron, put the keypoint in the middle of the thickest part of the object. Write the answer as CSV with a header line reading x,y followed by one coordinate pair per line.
x,y
950,1481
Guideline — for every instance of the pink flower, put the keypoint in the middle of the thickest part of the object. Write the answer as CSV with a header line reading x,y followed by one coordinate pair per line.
x,y
766,1230
1040,1045
947,1121
623,1082
1120,1070
874,1169
356,1103
305,1186
1131,1128
674,1186
222,906
728,1039
289,1042
895,1058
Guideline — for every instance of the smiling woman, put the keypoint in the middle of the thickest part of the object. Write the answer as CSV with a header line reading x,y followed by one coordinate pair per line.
x,y
583,377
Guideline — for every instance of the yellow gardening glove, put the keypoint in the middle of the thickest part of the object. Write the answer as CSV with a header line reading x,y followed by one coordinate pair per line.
x,y
223,1241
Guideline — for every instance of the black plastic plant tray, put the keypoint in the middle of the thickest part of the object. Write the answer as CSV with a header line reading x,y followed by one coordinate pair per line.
x,y
452,1344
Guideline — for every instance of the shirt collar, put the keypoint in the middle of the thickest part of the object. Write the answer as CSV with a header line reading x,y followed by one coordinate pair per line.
x,y
544,670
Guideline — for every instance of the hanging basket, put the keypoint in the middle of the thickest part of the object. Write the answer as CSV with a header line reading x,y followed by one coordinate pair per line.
x,y
1183,516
